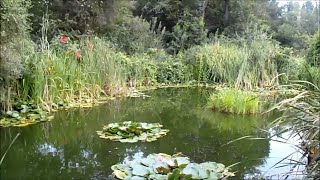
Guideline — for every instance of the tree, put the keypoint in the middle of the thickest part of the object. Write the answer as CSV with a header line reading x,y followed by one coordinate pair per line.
x,y
313,56
189,31
309,17
81,17
15,44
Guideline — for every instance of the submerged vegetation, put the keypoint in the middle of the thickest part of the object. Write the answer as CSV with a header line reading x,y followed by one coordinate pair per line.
x,y
164,166
132,132
235,101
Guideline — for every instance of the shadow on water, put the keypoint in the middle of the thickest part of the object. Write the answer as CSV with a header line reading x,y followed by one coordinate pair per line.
x,y
68,147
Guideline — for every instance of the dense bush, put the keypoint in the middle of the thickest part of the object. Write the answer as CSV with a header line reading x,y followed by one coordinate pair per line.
x,y
136,35
189,31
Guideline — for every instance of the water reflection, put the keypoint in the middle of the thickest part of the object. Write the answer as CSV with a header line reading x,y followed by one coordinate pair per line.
x,y
68,147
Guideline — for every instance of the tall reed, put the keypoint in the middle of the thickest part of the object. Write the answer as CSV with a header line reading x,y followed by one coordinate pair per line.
x,y
58,72
302,113
249,64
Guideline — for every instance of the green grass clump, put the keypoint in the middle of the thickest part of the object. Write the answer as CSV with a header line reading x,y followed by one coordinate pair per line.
x,y
235,101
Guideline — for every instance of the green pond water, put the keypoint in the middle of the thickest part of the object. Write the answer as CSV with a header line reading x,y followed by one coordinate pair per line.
x,y
69,148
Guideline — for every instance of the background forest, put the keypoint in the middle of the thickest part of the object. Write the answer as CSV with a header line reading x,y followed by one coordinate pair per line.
x,y
67,49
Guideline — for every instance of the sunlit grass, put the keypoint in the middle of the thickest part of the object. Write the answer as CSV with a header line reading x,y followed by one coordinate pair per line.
x,y
235,101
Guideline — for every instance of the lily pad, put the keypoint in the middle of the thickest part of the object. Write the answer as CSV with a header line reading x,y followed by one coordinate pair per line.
x,y
24,114
163,166
131,132
140,170
180,161
120,174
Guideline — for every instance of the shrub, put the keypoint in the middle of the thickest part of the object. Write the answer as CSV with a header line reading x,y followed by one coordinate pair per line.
x,y
15,45
188,31
235,101
134,36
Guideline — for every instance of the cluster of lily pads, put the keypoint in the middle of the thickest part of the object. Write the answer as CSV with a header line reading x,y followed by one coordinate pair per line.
x,y
163,166
24,114
132,132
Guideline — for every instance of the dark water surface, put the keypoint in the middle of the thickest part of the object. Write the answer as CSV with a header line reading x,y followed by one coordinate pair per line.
x,y
69,148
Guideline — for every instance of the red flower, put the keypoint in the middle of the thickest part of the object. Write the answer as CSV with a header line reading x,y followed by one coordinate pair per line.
x,y
63,38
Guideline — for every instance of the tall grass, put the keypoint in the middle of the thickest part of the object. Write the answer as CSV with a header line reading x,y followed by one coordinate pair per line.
x,y
235,101
248,64
56,72
302,112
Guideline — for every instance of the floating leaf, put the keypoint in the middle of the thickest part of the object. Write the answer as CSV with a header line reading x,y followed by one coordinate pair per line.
x,y
14,114
140,170
131,132
192,169
23,115
158,176
120,174
137,178
163,166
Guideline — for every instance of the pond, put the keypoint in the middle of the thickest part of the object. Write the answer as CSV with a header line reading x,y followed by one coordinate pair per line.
x,y
69,148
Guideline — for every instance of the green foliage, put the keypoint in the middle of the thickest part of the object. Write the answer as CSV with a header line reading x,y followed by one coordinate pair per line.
x,y
134,36
290,36
164,166
79,17
15,44
24,114
188,31
246,63
167,11
217,62
235,101
313,56
59,73
310,74
82,71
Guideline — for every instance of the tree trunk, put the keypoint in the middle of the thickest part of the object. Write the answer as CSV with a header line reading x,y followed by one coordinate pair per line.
x,y
226,12
204,6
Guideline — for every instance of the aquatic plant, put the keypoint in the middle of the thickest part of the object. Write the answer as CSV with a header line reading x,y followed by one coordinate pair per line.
x,y
5,153
24,114
132,132
235,101
164,166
